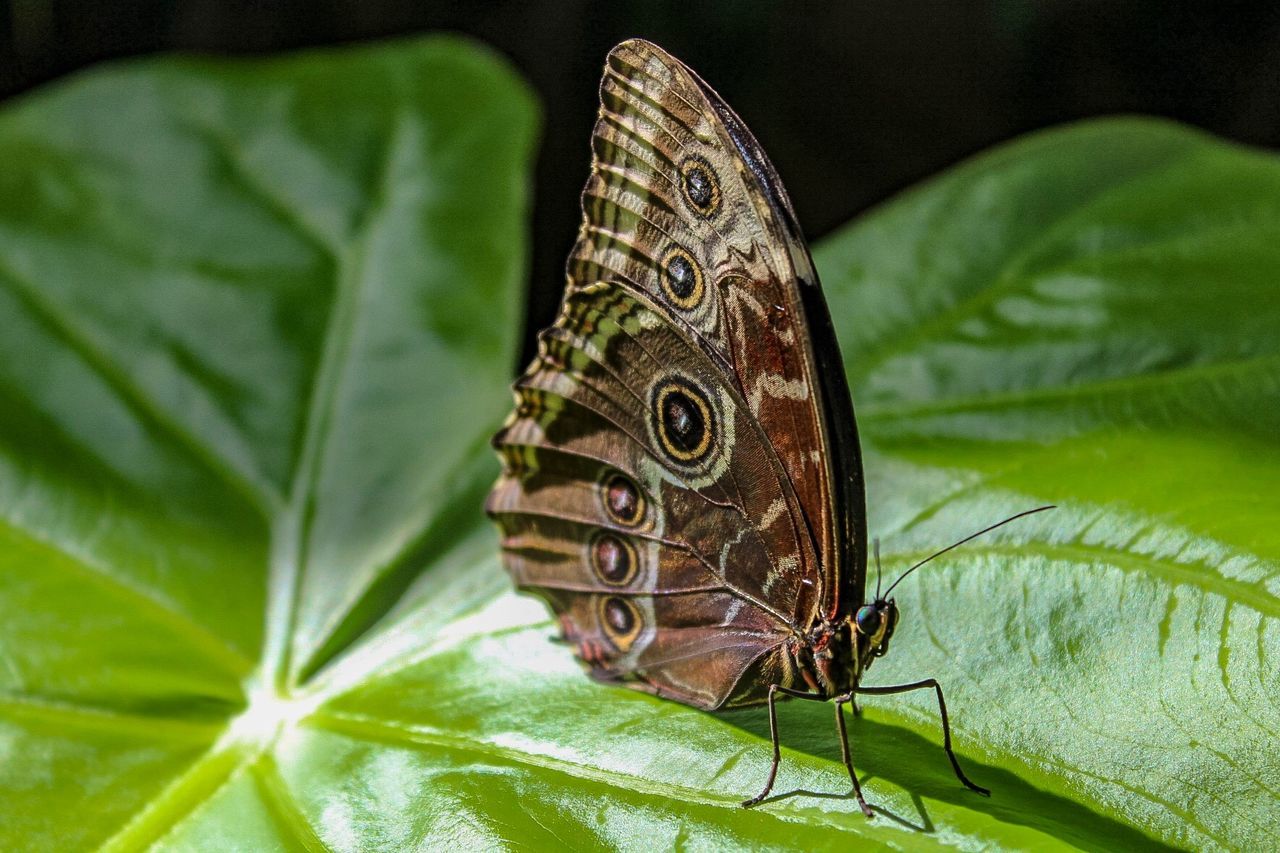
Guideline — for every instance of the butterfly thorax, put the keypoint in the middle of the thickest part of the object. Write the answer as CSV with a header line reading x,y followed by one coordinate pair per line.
x,y
832,656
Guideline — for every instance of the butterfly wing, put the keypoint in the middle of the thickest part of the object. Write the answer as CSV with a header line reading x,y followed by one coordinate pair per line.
x,y
669,469
627,505
661,137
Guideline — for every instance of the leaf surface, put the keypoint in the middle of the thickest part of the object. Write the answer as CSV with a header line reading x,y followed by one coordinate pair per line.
x,y
256,324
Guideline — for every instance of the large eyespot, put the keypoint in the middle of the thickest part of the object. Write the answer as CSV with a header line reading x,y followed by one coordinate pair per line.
x,y
701,189
681,279
868,620
613,559
683,421
622,500
620,621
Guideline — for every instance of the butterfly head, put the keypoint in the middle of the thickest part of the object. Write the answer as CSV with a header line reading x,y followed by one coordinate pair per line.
x,y
873,626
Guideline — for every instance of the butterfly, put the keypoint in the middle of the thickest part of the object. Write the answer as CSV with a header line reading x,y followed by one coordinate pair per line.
x,y
682,480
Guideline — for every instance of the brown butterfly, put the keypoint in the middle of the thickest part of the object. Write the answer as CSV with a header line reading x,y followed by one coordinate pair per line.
x,y
682,478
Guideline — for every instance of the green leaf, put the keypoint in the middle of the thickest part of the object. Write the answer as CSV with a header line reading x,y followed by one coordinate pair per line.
x,y
256,324
1089,317
256,320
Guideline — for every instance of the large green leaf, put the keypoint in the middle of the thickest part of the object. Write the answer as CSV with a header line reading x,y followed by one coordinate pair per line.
x,y
255,326
257,319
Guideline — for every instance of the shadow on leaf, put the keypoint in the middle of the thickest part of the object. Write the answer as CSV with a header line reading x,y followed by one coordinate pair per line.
x,y
919,766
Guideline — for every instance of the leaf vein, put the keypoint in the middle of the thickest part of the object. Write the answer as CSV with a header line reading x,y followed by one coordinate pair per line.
x,y
250,485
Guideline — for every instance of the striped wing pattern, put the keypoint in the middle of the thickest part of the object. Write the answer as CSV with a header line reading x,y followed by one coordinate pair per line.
x,y
656,119
664,486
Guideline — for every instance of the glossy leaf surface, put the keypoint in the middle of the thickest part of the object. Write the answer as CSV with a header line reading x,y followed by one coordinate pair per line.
x,y
256,323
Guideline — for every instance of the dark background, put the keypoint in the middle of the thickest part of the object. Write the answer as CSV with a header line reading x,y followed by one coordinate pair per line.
x,y
852,102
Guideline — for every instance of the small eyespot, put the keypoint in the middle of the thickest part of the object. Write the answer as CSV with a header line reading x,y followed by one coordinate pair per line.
x,y
698,184
620,621
684,421
622,499
613,559
701,189
681,279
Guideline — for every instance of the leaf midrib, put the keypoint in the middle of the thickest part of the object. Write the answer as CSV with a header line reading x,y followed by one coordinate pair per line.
x,y
294,526
373,730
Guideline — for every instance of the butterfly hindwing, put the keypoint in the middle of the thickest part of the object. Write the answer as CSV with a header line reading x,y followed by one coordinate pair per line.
x,y
659,559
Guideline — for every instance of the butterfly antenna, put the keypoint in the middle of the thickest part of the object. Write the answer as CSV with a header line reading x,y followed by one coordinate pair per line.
x,y
955,545
875,543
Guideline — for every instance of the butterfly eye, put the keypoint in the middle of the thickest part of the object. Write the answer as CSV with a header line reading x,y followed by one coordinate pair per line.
x,y
868,620
681,279
701,189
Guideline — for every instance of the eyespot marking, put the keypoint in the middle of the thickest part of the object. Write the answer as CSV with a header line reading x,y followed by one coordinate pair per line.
x,y
700,186
681,279
620,622
683,421
622,499
613,559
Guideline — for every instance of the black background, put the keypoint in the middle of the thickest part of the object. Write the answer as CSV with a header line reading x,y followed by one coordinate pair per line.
x,y
852,102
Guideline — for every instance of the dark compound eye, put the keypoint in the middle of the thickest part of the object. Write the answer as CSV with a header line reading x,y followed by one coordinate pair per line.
x,y
868,620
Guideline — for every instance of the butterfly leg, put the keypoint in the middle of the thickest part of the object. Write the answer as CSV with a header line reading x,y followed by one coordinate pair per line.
x,y
946,724
775,689
845,754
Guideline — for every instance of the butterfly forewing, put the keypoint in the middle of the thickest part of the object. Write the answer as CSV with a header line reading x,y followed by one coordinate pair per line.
x,y
846,570
667,483
752,293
